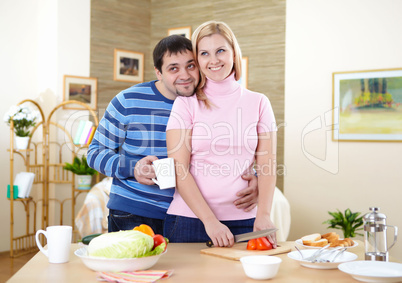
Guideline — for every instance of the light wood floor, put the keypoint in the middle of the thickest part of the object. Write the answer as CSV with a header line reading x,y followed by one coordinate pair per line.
x,y
9,266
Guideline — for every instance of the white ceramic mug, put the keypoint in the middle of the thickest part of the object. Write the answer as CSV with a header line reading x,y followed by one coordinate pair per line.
x,y
165,173
58,243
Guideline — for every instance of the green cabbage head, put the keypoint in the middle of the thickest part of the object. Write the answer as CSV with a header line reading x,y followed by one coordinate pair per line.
x,y
123,244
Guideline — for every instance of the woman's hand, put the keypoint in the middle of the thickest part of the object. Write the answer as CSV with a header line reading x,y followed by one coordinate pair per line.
x,y
262,223
219,234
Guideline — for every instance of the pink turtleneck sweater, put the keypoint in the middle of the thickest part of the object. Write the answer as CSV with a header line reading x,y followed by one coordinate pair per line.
x,y
224,140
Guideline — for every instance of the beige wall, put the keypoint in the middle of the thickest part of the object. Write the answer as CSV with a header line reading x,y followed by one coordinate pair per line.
x,y
323,37
123,24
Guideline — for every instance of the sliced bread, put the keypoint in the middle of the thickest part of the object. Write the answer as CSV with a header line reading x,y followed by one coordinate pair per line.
x,y
331,237
311,238
349,241
319,243
339,243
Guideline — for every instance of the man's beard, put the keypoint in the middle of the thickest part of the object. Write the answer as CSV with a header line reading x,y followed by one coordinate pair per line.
x,y
185,94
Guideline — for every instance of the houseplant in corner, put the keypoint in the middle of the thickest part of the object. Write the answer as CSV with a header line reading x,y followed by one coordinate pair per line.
x,y
82,170
23,119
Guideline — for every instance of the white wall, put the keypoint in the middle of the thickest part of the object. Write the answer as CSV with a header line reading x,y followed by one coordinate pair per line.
x,y
323,37
40,42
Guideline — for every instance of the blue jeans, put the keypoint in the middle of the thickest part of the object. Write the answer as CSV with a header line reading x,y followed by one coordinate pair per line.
x,y
120,220
181,229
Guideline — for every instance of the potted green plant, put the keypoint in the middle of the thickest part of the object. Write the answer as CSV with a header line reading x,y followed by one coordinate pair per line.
x,y
348,222
82,170
23,119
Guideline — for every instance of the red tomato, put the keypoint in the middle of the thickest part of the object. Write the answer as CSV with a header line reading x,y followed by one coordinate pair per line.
x,y
252,245
263,244
159,239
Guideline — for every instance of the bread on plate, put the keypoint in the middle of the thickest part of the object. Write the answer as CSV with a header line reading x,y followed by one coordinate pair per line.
x,y
308,239
319,243
318,240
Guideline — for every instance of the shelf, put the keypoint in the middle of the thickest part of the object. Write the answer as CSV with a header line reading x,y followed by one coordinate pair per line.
x,y
22,199
40,161
81,145
81,191
20,150
24,245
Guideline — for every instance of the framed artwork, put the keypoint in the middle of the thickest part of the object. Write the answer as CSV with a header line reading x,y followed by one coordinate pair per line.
x,y
128,66
244,73
183,31
367,105
83,89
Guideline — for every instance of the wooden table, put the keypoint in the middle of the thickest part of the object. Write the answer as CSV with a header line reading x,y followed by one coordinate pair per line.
x,y
189,265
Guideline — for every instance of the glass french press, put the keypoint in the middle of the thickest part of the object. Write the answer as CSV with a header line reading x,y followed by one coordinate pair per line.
x,y
375,235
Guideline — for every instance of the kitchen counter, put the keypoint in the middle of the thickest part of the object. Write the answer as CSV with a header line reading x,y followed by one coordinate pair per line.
x,y
189,265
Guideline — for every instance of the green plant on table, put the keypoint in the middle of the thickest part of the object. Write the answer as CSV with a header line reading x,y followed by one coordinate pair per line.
x,y
348,222
80,167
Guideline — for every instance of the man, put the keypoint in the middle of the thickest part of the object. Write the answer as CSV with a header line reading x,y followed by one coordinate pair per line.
x,y
131,135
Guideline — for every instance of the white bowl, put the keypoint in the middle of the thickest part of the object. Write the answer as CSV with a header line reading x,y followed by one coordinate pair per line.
x,y
118,264
261,266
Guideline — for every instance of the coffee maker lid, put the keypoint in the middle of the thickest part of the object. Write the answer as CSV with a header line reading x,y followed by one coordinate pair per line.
x,y
374,215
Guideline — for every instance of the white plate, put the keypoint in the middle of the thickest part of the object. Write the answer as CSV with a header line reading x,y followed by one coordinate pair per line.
x,y
344,257
300,243
116,265
373,271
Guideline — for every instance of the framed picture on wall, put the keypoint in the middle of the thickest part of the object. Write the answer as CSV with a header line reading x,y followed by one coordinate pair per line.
x,y
128,66
83,89
183,31
244,73
367,105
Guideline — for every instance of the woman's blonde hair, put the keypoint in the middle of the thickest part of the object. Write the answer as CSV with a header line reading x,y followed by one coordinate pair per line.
x,y
207,29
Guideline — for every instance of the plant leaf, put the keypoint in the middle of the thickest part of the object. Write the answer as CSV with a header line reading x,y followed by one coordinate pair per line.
x,y
348,221
80,167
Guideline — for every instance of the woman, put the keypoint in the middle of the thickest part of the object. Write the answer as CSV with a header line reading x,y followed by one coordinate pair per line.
x,y
214,137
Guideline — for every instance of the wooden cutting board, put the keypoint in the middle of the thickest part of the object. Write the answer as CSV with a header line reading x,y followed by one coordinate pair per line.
x,y
239,250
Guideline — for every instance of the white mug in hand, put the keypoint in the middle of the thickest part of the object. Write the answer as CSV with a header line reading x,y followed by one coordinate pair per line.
x,y
165,173
58,243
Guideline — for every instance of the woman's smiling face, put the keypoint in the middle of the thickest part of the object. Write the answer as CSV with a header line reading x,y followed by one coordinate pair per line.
x,y
215,57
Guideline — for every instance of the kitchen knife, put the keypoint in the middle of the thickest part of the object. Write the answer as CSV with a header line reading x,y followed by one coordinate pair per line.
x,y
254,235
249,236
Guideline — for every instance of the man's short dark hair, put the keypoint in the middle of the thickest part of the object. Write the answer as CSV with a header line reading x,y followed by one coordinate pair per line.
x,y
172,44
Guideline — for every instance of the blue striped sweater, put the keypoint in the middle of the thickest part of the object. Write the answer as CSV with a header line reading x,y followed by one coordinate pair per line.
x,y
134,126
